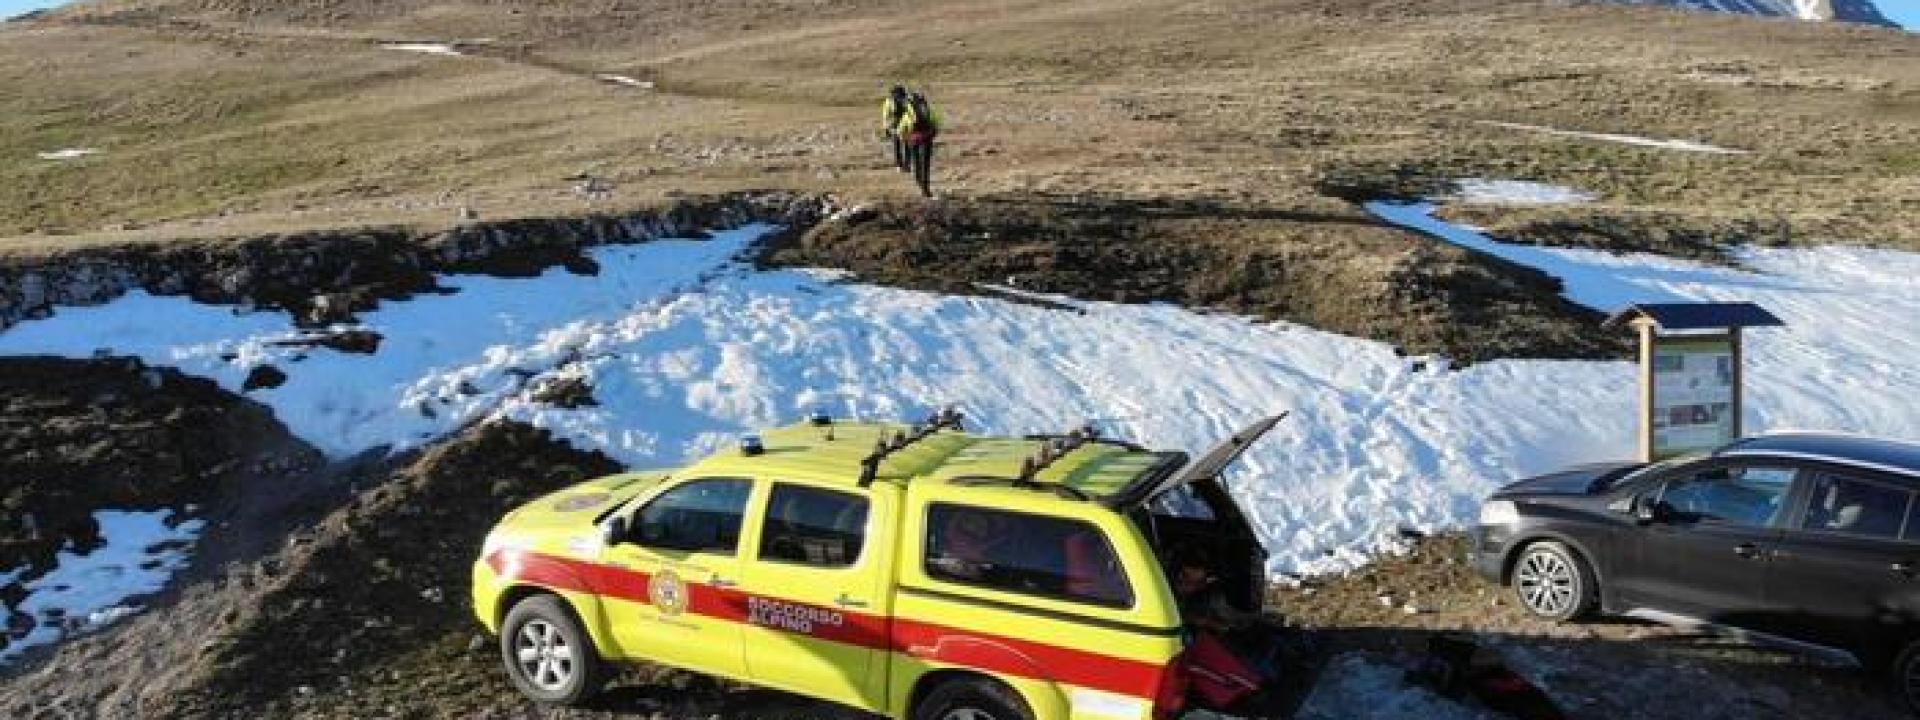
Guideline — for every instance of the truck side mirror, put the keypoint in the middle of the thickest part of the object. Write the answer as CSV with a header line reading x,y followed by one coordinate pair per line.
x,y
615,531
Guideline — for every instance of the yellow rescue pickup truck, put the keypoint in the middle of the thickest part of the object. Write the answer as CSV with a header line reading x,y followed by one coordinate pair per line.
x,y
915,571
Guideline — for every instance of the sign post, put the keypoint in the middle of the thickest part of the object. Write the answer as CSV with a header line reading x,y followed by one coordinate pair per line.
x,y
1691,384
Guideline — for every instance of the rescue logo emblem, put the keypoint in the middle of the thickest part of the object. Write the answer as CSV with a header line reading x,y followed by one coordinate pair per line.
x,y
668,593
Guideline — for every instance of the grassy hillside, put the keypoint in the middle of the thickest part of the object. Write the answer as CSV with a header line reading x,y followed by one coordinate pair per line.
x,y
231,116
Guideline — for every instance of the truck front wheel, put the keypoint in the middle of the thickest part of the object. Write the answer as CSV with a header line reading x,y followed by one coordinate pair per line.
x,y
549,656
971,699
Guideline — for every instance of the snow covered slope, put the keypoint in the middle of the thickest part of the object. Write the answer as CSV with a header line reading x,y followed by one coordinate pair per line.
x,y
1859,11
684,348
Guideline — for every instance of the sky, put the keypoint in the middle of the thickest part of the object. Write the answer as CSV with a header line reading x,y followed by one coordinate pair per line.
x,y
1905,12
10,8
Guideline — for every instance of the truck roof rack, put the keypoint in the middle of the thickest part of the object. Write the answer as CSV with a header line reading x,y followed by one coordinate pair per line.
x,y
947,417
1063,490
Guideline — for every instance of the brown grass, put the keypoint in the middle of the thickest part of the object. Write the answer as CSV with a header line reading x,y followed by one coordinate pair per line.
x,y
227,117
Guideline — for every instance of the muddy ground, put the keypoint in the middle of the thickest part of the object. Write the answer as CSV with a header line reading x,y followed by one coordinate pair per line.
x,y
81,436
1597,668
1338,270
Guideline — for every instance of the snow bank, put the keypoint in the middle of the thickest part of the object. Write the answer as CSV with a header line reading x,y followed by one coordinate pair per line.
x,y
87,591
1516,192
1844,362
685,348
1668,144
425,48
68,154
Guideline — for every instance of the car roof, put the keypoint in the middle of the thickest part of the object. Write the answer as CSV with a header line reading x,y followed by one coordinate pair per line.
x,y
1883,454
834,453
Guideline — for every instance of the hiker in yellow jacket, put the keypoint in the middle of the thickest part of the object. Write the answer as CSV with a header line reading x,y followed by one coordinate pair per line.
x,y
890,111
918,126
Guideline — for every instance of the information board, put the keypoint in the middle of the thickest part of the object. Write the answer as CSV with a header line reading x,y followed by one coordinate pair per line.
x,y
1694,382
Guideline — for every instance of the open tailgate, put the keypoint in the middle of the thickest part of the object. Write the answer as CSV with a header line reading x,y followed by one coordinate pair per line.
x,y
1210,465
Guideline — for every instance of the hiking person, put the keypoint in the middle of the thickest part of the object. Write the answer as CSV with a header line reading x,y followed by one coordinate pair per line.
x,y
890,111
919,125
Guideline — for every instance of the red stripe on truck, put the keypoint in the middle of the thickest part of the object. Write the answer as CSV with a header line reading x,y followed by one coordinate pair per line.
x,y
924,640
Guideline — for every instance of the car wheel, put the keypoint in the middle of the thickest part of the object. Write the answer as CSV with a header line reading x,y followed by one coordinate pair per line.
x,y
549,656
972,699
1906,677
1550,582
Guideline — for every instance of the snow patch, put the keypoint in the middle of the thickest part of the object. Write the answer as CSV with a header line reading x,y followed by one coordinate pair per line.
x,y
625,80
68,154
685,348
1516,192
1666,144
86,591
425,48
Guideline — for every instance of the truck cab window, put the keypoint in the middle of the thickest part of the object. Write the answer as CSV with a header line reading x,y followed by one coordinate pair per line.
x,y
699,516
1029,554
810,526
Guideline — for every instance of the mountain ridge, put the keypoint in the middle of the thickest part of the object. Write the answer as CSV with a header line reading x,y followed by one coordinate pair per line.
x,y
1853,11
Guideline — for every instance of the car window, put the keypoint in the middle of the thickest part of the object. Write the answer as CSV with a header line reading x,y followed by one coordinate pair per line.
x,y
1749,496
1856,507
1030,554
700,516
1182,502
813,527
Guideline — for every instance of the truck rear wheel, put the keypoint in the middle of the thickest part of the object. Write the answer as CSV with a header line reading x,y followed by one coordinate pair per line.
x,y
549,656
971,699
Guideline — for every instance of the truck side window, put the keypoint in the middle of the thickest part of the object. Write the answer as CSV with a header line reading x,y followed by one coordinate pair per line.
x,y
699,516
813,527
1029,554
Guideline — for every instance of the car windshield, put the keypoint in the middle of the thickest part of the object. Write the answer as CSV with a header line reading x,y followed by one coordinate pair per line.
x,y
1624,478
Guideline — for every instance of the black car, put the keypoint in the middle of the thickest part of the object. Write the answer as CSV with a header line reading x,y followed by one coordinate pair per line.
x,y
1807,540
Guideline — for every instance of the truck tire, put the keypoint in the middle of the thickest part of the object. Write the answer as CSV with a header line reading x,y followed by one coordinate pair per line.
x,y
1552,583
971,699
549,656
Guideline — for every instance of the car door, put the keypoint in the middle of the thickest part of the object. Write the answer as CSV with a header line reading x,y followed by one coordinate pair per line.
x,y
815,583
1704,554
1844,574
683,544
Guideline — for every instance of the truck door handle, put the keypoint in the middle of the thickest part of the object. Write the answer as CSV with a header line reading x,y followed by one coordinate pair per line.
x,y
1747,550
848,602
1904,567
721,582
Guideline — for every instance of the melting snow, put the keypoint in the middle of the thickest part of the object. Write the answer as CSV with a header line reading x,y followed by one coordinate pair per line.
x,y
87,591
1516,192
68,154
427,48
624,80
1683,145
685,348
